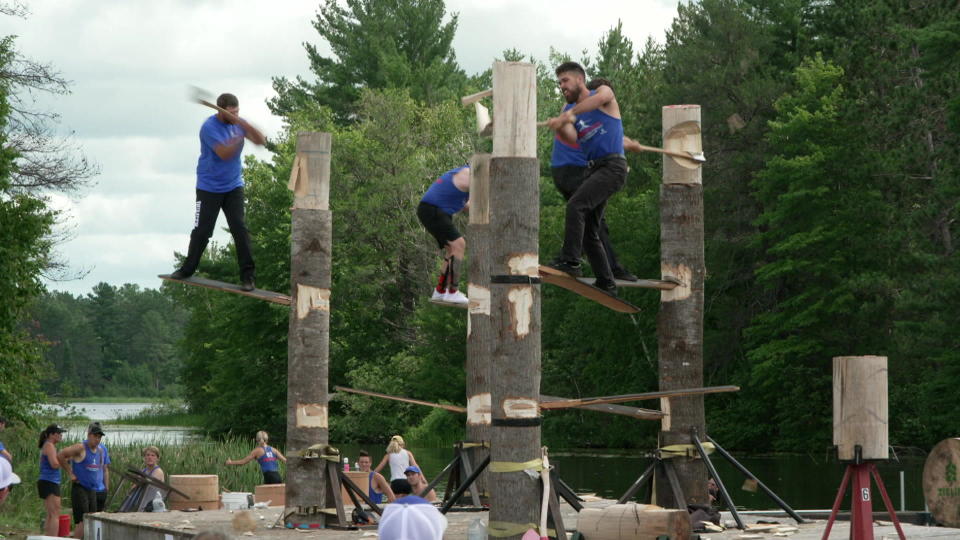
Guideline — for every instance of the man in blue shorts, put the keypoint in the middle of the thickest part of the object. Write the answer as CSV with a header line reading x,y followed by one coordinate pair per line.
x,y
593,122
448,195
220,187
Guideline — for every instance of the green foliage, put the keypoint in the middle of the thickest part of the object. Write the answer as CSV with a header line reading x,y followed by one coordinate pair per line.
x,y
376,44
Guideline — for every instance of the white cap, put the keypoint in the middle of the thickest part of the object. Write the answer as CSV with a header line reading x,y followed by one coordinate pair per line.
x,y
411,522
7,476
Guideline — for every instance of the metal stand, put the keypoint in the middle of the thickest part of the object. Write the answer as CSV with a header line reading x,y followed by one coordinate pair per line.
x,y
462,477
861,503
666,467
138,496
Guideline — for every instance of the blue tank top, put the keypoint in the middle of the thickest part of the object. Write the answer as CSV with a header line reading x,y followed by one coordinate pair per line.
x,y
47,472
89,472
374,496
565,155
268,461
444,195
599,134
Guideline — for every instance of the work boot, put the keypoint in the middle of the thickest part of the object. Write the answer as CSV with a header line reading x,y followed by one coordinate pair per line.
x,y
247,285
180,274
624,274
608,287
574,269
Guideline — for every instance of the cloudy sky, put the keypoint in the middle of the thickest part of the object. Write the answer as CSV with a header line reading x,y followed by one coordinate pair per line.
x,y
131,61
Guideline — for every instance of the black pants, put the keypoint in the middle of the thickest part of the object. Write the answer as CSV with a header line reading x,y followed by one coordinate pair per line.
x,y
272,477
208,208
585,214
567,179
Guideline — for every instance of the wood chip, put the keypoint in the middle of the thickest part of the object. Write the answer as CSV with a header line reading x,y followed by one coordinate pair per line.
x,y
880,523
787,529
750,537
711,527
761,528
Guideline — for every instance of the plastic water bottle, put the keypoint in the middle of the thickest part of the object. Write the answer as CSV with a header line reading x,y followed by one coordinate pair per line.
x,y
346,464
158,505
477,530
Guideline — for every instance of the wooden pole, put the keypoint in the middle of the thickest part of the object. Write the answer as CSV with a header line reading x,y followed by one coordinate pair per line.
x,y
479,328
860,407
680,321
309,333
514,302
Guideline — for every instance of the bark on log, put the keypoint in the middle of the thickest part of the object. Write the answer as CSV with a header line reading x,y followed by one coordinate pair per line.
x,y
309,339
515,318
680,321
479,329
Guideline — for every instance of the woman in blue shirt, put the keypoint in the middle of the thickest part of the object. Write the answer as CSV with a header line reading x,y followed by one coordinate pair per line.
x,y
267,456
48,486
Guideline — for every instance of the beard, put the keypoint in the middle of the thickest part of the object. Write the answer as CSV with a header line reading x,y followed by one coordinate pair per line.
x,y
573,96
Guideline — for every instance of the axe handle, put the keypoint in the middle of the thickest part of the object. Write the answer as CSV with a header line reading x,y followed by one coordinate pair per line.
x,y
684,155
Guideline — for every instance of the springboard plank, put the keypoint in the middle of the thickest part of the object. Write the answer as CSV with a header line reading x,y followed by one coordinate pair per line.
x,y
259,294
574,285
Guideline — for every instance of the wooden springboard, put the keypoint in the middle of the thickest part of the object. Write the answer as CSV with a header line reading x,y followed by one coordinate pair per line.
x,y
259,294
661,284
448,304
572,284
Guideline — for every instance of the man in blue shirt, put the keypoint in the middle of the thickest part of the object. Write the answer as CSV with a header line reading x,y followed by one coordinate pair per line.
x,y
594,123
220,187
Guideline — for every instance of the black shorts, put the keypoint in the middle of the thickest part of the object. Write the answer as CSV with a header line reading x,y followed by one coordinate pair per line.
x,y
83,501
45,488
101,500
438,223
272,477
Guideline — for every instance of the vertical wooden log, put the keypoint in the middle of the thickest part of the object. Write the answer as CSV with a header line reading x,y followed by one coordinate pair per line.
x,y
680,321
309,338
479,329
860,407
514,301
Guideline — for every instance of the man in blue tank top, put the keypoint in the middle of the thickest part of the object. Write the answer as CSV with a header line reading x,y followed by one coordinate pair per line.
x,y
448,195
220,187
86,465
568,166
594,123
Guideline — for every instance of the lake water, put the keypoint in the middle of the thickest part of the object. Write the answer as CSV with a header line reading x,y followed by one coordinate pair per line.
x,y
804,482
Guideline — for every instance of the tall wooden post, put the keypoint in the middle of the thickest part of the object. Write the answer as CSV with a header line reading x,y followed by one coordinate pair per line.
x,y
680,321
309,334
514,302
479,328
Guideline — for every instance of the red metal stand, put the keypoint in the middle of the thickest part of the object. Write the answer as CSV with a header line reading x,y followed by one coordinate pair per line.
x,y
861,503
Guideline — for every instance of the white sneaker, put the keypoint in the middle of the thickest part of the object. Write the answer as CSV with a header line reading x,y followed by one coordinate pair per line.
x,y
438,296
456,298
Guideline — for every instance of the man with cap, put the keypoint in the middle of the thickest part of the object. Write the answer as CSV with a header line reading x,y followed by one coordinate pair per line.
x,y
86,464
7,479
410,517
418,483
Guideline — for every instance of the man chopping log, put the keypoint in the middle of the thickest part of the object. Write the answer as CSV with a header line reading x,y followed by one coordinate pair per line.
x,y
220,187
449,194
593,122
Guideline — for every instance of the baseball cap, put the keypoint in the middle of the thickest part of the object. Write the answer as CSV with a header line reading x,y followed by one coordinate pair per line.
x,y
412,468
54,428
411,522
96,429
7,476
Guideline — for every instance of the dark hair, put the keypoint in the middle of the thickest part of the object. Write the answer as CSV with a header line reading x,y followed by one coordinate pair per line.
x,y
50,430
227,100
571,66
400,486
597,82
362,453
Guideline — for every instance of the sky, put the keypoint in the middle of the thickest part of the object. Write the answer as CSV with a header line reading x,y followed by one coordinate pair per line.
x,y
131,62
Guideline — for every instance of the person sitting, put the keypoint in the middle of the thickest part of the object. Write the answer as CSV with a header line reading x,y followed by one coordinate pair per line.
x,y
377,485
410,517
419,483
151,468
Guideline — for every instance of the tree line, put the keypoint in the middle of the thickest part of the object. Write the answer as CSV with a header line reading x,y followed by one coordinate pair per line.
x,y
831,195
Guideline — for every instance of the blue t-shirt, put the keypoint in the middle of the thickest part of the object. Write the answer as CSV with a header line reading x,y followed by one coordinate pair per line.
x,y
215,174
411,499
444,195
268,461
377,498
89,472
599,134
106,461
565,155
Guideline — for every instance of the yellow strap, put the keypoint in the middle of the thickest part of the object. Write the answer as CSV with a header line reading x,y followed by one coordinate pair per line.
x,y
512,466
500,529
475,445
685,450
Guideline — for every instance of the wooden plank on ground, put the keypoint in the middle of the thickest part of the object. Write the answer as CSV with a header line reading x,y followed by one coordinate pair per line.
x,y
259,294
574,285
